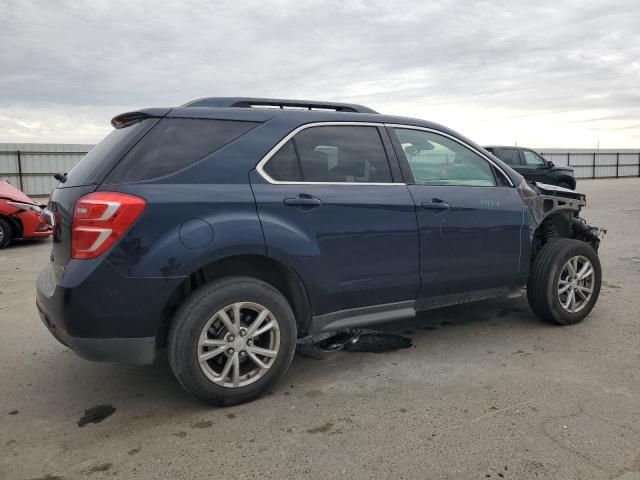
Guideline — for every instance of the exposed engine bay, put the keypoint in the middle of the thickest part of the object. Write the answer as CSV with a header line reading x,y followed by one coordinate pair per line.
x,y
554,213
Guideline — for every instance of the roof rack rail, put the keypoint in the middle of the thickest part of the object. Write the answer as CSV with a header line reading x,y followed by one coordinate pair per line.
x,y
247,102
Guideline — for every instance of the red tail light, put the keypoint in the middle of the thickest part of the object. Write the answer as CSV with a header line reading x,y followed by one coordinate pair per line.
x,y
100,219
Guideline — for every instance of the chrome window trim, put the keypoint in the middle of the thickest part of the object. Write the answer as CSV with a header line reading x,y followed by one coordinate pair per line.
x,y
457,140
290,135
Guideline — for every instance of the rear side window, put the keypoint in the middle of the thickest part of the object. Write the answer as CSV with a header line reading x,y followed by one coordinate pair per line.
x,y
83,171
510,156
332,154
176,143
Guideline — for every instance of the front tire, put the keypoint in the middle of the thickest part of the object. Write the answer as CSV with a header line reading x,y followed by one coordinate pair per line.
x,y
231,340
564,282
6,234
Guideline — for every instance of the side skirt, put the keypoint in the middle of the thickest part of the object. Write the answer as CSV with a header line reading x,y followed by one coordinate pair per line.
x,y
466,297
357,317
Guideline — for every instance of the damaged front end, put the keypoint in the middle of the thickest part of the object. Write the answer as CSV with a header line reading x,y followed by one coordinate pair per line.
x,y
554,212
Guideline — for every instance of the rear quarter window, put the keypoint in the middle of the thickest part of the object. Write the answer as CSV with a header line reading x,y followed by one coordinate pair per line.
x,y
84,172
176,143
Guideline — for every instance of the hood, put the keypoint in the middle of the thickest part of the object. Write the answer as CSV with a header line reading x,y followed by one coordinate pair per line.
x,y
554,190
9,192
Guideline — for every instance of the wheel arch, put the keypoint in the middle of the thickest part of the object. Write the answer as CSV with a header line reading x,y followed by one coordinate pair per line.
x,y
15,225
562,223
275,273
571,181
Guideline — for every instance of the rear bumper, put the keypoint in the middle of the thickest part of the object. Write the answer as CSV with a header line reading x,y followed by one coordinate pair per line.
x,y
141,351
102,315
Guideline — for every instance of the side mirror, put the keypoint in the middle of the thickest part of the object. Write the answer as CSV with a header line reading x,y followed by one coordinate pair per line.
x,y
550,164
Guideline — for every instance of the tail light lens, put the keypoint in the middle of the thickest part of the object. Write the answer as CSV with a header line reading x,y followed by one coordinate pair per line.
x,y
100,219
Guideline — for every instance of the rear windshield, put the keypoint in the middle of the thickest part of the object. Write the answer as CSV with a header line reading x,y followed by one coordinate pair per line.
x,y
82,172
173,144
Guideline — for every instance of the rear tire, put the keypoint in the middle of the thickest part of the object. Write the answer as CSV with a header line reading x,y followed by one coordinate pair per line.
x,y
6,234
564,282
221,359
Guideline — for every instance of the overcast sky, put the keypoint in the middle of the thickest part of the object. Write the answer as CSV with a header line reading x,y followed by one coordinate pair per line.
x,y
539,73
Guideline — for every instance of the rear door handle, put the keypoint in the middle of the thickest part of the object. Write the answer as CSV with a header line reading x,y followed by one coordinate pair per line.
x,y
436,204
303,201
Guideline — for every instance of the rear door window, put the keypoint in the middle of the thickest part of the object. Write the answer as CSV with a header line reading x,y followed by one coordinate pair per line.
x,y
284,165
332,154
176,143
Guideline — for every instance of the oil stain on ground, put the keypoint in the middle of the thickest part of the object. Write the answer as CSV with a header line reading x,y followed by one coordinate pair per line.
x,y
321,429
101,467
96,414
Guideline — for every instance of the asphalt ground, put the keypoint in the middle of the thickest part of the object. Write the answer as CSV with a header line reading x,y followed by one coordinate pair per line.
x,y
487,391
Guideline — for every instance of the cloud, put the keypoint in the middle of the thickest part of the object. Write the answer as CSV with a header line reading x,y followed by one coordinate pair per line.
x,y
496,70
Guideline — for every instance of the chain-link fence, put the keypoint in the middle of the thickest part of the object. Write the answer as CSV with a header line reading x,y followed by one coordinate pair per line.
x,y
597,163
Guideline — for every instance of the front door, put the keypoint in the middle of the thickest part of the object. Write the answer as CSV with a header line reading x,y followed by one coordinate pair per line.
x,y
535,166
332,210
471,219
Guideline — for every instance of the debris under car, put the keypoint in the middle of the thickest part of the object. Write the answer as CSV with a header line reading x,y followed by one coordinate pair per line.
x,y
322,345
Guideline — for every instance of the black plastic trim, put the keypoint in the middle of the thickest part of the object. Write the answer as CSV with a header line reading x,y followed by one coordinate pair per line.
x,y
354,317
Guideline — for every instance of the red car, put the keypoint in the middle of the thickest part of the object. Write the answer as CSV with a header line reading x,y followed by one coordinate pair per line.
x,y
20,217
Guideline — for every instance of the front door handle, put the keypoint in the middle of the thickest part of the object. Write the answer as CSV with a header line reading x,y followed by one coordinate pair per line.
x,y
304,202
436,204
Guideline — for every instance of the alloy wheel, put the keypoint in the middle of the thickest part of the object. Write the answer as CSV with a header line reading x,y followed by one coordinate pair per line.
x,y
238,344
576,282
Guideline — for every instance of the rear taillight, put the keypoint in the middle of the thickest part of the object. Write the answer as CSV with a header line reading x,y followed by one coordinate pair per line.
x,y
100,219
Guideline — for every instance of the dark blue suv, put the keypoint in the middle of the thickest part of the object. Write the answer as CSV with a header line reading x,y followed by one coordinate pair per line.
x,y
227,228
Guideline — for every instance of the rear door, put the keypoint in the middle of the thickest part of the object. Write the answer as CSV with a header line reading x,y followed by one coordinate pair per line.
x,y
471,219
334,210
